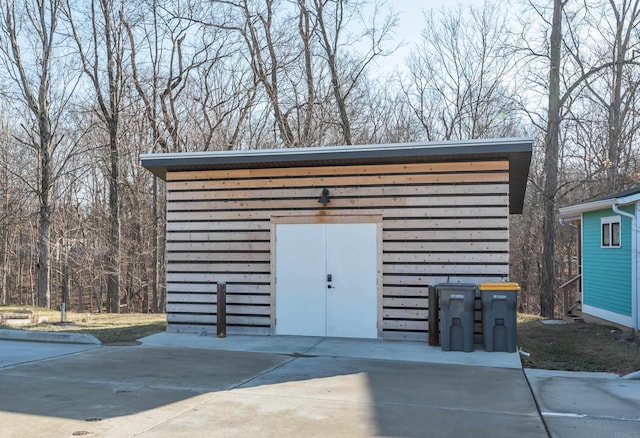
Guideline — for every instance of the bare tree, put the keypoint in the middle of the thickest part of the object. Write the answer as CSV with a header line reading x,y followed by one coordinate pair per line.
x,y
101,53
347,69
459,82
32,26
571,75
160,115
263,41
308,77
552,147
19,230
615,88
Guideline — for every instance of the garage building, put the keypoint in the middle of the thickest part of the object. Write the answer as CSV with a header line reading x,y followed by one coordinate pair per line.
x,y
335,241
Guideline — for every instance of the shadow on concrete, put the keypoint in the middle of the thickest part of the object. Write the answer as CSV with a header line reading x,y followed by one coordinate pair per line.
x,y
116,381
281,392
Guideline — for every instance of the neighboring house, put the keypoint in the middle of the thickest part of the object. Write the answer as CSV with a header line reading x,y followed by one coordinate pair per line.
x,y
609,242
335,241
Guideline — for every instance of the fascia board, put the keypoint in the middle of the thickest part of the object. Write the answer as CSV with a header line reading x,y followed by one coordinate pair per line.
x,y
574,211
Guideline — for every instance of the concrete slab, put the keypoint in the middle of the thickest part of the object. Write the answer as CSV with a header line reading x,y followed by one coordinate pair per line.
x,y
412,352
186,392
533,372
40,336
337,347
632,376
323,396
15,352
257,344
314,396
586,405
118,391
484,388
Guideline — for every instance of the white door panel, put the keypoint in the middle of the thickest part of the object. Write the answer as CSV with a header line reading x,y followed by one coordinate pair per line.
x,y
352,308
305,304
300,280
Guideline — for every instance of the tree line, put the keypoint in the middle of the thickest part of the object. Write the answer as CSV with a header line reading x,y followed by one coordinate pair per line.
x,y
86,87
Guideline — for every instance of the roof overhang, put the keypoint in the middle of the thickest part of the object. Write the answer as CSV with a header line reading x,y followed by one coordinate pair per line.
x,y
516,150
574,212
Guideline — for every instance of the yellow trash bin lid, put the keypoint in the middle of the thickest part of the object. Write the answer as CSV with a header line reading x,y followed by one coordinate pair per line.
x,y
499,286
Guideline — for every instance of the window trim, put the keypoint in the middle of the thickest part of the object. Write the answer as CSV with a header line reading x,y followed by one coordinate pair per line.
x,y
606,230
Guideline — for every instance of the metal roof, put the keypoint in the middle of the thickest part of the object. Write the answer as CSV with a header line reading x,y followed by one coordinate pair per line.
x,y
516,150
622,194
573,212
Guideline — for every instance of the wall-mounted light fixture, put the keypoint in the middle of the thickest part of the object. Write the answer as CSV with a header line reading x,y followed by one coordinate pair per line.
x,y
324,198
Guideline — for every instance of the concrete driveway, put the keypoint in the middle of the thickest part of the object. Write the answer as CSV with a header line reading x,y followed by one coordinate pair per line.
x,y
588,405
159,391
14,353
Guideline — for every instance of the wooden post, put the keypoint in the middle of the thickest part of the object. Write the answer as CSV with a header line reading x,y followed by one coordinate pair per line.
x,y
221,314
434,315
566,293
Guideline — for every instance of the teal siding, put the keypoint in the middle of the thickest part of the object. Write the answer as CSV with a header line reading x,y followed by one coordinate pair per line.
x,y
607,272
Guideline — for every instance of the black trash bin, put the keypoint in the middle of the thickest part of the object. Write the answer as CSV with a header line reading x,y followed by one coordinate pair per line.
x,y
499,316
456,315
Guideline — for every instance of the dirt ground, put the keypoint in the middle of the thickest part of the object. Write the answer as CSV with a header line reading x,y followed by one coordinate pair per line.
x,y
578,346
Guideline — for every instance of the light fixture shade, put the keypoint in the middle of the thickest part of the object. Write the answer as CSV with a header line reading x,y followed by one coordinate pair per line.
x,y
324,198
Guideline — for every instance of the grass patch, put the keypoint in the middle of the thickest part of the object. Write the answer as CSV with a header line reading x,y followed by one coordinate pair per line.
x,y
577,347
108,327
9,309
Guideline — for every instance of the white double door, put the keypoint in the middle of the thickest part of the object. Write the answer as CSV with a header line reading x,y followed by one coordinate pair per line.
x,y
326,280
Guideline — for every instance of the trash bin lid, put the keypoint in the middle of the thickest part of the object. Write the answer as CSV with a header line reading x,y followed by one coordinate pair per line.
x,y
456,286
499,286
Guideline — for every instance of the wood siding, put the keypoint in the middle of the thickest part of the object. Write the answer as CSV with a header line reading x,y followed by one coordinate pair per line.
x,y
440,222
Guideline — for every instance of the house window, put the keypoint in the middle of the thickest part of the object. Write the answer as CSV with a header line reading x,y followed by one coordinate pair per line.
x,y
610,227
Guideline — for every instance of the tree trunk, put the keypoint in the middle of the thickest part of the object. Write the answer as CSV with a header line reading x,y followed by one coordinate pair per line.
x,y
330,48
305,31
44,293
39,19
552,147
113,277
5,236
613,140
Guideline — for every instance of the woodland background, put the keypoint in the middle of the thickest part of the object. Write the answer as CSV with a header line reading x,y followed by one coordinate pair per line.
x,y
86,87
